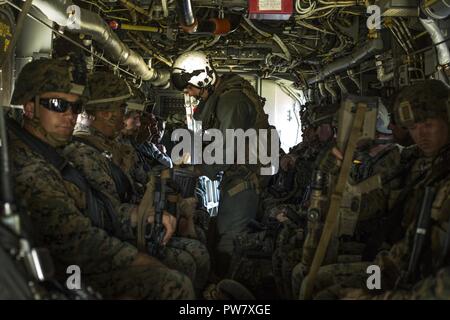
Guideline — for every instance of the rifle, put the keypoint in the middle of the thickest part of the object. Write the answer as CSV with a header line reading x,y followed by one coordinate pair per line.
x,y
421,235
314,215
156,231
348,136
351,203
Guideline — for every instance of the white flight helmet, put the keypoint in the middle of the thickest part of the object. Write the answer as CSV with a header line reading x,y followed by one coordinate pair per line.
x,y
193,68
383,119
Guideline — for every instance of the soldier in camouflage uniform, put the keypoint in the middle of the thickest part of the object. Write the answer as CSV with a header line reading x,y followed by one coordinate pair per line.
x,y
265,259
102,161
50,92
359,225
416,266
127,139
289,244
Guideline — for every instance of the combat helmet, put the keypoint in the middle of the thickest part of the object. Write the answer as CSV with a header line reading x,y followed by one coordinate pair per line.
x,y
107,92
420,101
324,113
66,75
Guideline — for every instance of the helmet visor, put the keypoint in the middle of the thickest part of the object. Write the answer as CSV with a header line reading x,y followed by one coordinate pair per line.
x,y
180,80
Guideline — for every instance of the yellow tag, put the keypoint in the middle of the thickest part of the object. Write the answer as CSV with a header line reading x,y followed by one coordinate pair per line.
x,y
77,89
406,113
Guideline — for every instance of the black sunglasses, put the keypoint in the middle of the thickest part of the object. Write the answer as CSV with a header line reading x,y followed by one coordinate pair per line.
x,y
60,105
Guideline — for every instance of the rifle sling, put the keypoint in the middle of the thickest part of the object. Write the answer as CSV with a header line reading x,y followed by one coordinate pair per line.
x,y
335,202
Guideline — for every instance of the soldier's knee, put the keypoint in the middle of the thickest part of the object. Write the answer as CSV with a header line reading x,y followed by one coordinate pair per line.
x,y
187,265
180,260
200,254
298,275
177,286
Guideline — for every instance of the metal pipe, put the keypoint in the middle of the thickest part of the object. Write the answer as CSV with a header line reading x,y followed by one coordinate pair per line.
x,y
216,26
322,90
89,23
341,85
400,38
439,9
310,94
390,27
132,27
372,47
403,33
76,44
185,13
381,75
352,76
443,54
144,47
331,91
132,7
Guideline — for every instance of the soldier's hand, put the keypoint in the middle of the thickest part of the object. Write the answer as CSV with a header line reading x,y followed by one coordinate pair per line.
x,y
281,216
169,222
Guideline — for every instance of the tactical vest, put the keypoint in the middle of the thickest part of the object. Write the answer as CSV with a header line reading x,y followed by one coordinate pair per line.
x,y
98,207
233,82
123,185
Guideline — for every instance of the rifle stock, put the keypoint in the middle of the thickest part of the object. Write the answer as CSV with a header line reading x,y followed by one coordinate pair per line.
x,y
145,209
156,233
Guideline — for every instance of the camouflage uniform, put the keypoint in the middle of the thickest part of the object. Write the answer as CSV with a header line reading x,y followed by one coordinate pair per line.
x,y
128,141
186,255
355,239
423,100
57,210
127,149
281,243
289,245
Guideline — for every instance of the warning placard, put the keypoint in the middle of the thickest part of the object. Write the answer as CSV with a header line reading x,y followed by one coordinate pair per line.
x,y
270,5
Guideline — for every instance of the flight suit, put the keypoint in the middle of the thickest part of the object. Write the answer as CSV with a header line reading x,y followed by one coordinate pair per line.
x,y
230,107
